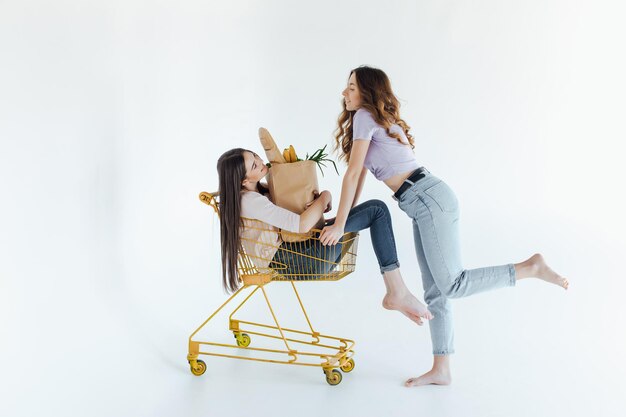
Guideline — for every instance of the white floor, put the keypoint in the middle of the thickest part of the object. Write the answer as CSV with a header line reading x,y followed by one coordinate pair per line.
x,y
112,117
533,350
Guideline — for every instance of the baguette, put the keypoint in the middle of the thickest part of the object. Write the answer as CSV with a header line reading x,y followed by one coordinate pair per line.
x,y
271,150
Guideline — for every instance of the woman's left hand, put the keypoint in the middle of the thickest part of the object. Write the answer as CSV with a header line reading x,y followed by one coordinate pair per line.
x,y
331,234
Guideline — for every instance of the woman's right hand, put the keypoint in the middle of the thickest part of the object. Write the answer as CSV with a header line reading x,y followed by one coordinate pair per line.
x,y
310,203
314,210
326,198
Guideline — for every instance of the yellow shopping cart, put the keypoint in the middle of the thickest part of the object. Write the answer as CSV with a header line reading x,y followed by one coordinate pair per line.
x,y
257,269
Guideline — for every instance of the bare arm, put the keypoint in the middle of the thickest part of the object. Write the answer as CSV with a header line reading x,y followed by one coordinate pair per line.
x,y
359,186
352,181
314,212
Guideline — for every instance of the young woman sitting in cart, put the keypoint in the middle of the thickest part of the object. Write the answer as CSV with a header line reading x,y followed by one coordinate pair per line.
x,y
243,198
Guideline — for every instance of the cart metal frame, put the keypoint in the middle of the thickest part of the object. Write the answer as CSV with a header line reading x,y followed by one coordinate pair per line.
x,y
332,352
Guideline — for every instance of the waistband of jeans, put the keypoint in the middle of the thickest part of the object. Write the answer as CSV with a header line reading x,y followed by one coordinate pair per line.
x,y
415,176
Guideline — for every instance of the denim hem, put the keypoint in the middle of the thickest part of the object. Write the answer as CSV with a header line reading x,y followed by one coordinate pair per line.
x,y
391,267
512,274
443,352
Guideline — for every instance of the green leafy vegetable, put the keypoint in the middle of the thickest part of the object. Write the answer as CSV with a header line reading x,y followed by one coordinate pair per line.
x,y
320,157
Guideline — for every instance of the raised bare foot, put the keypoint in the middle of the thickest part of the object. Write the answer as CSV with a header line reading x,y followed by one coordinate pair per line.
x,y
432,377
408,305
542,271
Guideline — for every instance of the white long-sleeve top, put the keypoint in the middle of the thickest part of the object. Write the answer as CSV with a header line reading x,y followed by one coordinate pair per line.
x,y
261,240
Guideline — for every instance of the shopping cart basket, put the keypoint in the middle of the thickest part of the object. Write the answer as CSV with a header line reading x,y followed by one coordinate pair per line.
x,y
301,259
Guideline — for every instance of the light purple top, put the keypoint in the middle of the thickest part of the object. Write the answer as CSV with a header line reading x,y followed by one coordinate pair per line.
x,y
386,156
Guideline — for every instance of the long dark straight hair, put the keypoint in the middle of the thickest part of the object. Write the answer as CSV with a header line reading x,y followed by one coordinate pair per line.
x,y
231,169
377,98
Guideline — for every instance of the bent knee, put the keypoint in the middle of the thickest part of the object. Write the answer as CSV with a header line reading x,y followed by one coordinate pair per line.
x,y
380,206
374,202
454,288
434,297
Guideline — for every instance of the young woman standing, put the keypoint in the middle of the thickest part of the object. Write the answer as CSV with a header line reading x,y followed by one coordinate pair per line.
x,y
372,136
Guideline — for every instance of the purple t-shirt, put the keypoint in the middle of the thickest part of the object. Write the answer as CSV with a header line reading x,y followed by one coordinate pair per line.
x,y
386,156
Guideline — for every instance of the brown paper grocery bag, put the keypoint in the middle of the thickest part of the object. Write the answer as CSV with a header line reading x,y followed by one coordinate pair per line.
x,y
292,186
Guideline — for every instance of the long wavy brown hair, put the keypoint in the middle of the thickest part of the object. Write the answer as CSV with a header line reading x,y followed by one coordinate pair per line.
x,y
231,170
377,98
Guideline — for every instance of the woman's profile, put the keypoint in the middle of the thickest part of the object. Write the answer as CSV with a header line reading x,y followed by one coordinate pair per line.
x,y
371,136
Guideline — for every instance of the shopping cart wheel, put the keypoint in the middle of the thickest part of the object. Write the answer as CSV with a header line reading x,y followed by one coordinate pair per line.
x,y
199,367
334,377
348,366
243,339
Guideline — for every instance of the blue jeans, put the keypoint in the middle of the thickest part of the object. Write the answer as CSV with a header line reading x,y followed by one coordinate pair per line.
x,y
296,257
435,212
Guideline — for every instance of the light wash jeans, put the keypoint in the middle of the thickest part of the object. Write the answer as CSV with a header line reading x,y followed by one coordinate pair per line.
x,y
435,212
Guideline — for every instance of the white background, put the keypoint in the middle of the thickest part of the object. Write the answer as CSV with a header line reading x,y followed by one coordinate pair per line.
x,y
113,115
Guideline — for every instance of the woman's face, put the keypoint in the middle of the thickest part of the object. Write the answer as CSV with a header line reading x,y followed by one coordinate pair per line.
x,y
255,167
351,95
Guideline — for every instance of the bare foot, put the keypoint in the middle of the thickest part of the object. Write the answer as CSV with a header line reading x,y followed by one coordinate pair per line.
x,y
432,377
408,305
538,268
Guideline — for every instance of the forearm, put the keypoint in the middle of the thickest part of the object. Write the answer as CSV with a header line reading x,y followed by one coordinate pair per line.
x,y
311,215
359,187
348,193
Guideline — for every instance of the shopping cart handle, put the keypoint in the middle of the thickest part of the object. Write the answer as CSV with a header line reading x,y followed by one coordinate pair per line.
x,y
210,199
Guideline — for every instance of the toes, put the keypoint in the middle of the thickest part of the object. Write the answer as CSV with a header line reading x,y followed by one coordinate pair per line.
x,y
427,315
414,382
413,317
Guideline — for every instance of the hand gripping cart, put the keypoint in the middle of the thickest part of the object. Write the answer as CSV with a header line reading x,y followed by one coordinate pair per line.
x,y
264,258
